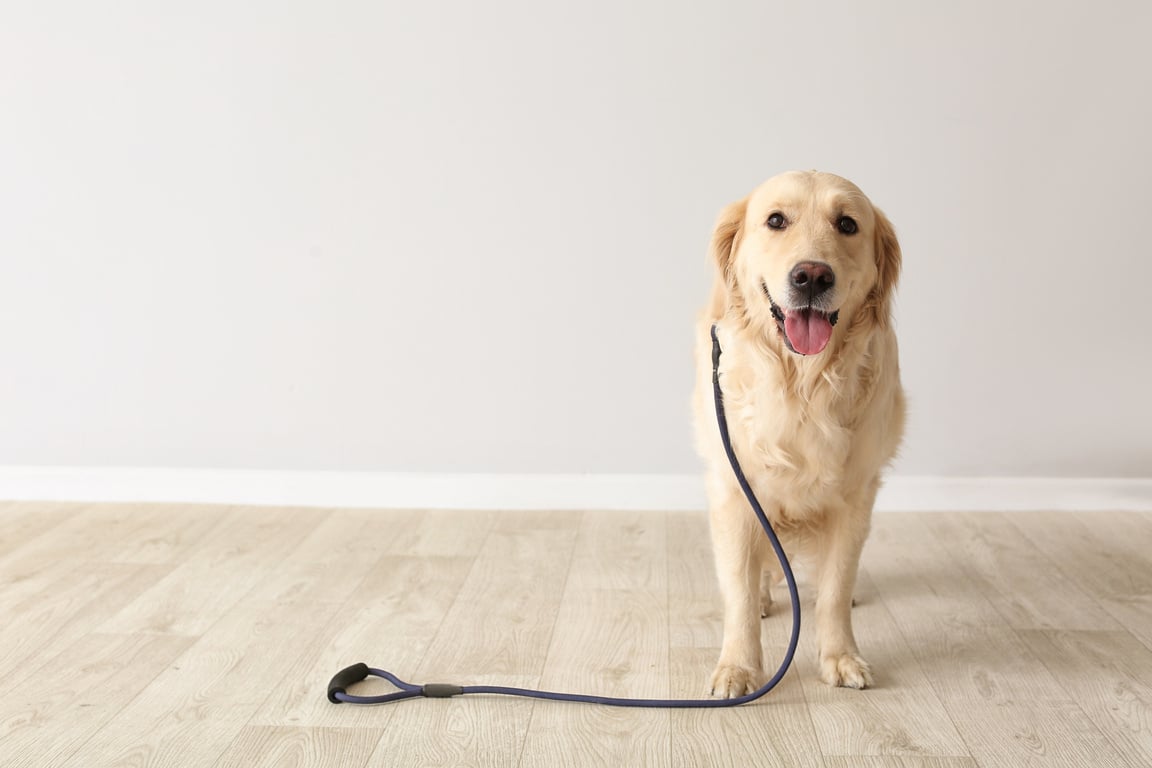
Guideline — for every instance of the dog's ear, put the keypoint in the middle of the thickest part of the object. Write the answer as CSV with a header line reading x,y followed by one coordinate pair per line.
x,y
888,261
725,237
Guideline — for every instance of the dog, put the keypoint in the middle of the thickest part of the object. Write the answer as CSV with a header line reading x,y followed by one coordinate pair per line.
x,y
805,271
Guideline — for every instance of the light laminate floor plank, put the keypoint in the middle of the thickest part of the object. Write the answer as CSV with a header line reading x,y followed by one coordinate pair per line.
x,y
506,609
976,663
67,700
231,560
900,761
610,639
1026,586
1109,676
1108,554
197,705
26,524
262,746
83,599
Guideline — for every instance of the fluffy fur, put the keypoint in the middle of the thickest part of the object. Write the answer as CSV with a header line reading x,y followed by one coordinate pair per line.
x,y
813,432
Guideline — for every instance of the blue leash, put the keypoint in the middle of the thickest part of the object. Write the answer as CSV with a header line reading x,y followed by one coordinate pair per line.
x,y
337,692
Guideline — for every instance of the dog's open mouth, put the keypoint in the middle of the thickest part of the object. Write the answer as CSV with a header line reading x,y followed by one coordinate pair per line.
x,y
806,330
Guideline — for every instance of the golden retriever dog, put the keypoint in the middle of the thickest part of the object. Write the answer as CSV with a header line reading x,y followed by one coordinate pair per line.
x,y
805,271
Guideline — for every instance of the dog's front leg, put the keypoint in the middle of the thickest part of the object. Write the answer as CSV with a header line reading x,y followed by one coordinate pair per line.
x,y
839,558
735,541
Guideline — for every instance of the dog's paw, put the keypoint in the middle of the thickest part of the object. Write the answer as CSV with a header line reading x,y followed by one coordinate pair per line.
x,y
730,681
845,670
765,604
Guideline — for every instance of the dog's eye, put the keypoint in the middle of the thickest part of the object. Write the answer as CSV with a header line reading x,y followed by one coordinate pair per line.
x,y
777,221
846,224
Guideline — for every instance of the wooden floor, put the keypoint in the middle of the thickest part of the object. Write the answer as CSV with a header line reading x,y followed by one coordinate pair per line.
x,y
138,635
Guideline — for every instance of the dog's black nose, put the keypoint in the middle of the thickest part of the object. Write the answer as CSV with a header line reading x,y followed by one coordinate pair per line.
x,y
812,278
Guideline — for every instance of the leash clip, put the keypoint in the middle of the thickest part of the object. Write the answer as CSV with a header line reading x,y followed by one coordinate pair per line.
x,y
440,691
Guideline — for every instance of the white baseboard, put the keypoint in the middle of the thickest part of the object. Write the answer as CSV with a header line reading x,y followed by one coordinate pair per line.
x,y
352,489
483,491
1015,494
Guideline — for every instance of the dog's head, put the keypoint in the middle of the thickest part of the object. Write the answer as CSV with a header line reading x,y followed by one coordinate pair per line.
x,y
804,252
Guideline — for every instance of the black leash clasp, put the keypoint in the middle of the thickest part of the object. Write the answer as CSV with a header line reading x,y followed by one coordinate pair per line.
x,y
715,355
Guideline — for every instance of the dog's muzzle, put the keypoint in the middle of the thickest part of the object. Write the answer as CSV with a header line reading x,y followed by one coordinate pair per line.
x,y
806,330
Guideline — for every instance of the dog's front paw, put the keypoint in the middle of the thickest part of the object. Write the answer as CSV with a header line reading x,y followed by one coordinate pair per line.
x,y
730,681
846,670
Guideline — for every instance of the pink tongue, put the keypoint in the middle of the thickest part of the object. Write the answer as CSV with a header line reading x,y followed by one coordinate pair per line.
x,y
808,331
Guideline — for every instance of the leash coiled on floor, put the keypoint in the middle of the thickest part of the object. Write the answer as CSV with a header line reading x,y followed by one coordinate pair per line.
x,y
337,687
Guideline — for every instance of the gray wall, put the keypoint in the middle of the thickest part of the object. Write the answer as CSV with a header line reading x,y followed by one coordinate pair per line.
x,y
463,236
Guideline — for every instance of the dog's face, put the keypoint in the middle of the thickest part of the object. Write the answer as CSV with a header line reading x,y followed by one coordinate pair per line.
x,y
804,252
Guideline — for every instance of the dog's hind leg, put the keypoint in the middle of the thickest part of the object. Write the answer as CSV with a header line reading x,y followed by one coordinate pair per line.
x,y
771,575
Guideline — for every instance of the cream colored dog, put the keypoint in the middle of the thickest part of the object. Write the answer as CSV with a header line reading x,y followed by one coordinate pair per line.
x,y
805,271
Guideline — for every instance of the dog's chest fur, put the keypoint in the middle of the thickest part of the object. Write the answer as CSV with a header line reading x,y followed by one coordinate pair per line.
x,y
791,424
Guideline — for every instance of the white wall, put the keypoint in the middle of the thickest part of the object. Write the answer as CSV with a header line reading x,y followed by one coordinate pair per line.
x,y
463,236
